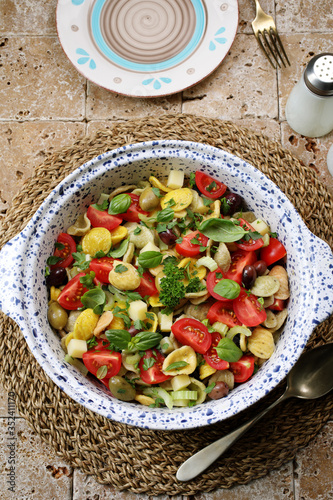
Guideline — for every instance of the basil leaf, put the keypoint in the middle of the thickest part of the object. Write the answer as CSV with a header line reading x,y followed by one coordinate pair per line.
x,y
119,339
94,299
228,351
51,261
222,230
148,363
150,259
102,207
177,365
59,246
165,215
146,340
120,268
88,280
120,251
228,289
119,204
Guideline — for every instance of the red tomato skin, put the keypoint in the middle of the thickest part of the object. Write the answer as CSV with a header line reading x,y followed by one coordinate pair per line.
x,y
250,245
248,310
211,356
65,253
203,180
189,249
70,296
153,375
193,333
101,268
274,251
94,359
99,218
242,369
223,314
147,285
211,282
132,213
239,260
278,305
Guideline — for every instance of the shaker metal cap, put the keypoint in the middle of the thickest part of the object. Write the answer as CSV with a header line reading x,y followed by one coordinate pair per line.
x,y
318,75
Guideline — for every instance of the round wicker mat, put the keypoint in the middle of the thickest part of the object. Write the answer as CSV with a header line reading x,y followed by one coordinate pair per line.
x,y
146,461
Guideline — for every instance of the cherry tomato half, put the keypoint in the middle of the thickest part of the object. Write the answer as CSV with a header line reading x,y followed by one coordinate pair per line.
x,y
190,246
154,374
249,245
102,268
209,187
70,297
213,277
274,251
248,310
221,313
132,213
193,333
147,285
65,253
94,359
278,305
242,369
101,218
239,260
211,356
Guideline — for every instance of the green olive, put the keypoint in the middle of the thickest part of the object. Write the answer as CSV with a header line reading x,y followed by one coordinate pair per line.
x,y
57,316
121,389
148,199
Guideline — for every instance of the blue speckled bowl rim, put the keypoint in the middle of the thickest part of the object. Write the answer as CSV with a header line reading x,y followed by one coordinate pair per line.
x,y
94,398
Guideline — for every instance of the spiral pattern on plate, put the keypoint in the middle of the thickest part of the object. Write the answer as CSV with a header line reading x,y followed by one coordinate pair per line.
x,y
146,31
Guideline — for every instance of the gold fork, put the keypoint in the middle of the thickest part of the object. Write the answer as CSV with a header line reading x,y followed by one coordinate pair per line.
x,y
268,38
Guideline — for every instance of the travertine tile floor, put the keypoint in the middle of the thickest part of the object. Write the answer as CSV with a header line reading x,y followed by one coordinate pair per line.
x,y
45,104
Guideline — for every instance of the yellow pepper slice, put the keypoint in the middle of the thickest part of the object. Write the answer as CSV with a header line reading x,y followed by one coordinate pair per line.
x,y
158,184
85,324
97,239
192,267
118,234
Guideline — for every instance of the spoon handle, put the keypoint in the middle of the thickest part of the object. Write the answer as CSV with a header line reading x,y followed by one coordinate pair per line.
x,y
205,457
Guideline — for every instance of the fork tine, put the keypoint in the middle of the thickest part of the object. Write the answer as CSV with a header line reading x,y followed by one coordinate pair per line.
x,y
267,35
282,48
257,35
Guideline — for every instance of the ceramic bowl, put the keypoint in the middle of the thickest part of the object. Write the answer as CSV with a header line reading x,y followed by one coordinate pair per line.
x,y
24,296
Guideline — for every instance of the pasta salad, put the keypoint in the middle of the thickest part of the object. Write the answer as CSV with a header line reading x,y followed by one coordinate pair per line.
x,y
169,293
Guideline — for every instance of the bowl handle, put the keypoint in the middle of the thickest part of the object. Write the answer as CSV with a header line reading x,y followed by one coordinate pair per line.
x,y
322,259
11,290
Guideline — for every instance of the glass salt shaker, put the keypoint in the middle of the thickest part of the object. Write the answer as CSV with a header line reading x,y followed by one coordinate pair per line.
x,y
309,109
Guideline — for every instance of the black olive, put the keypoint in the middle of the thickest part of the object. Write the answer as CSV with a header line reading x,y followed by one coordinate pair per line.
x,y
261,267
57,277
249,276
234,201
236,339
168,237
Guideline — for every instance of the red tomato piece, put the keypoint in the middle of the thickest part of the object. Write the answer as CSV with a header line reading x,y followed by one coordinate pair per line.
x,y
251,244
274,251
193,333
223,314
101,268
154,374
209,187
64,253
278,305
213,277
94,359
190,246
239,260
242,369
147,285
248,310
101,218
211,356
132,213
70,297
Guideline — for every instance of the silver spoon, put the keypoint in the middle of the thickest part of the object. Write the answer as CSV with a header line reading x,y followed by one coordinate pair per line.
x,y
310,378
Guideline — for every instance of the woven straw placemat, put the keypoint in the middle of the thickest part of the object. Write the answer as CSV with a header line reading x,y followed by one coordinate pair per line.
x,y
145,461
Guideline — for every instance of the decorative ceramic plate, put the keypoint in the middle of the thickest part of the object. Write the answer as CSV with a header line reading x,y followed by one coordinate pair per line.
x,y
146,48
